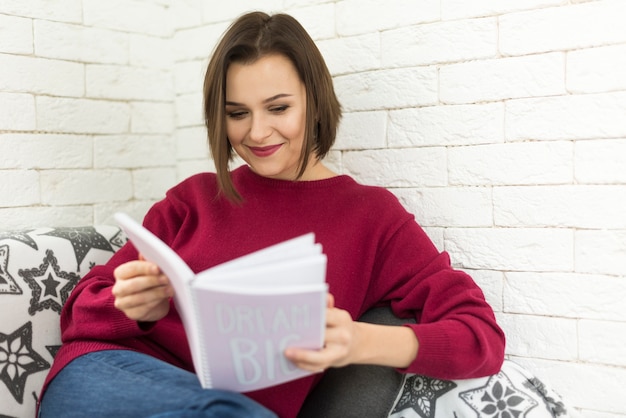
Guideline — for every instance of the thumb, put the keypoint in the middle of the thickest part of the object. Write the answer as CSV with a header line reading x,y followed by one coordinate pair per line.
x,y
330,300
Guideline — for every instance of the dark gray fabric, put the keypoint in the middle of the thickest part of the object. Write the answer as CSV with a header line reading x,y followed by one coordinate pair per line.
x,y
357,390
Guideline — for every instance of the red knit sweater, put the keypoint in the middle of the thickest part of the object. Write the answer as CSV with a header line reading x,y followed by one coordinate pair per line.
x,y
377,255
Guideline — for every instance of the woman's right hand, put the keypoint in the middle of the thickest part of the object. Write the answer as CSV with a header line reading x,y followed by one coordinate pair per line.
x,y
142,291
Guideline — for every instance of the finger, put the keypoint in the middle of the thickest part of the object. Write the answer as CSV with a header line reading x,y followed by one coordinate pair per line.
x,y
146,299
136,285
310,360
135,268
330,300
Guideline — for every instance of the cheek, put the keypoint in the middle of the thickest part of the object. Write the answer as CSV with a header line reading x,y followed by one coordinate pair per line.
x,y
233,132
294,127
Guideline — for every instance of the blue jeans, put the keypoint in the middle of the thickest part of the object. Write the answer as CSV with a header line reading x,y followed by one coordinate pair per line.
x,y
120,383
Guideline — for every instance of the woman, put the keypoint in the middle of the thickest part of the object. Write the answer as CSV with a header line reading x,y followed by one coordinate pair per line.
x,y
268,98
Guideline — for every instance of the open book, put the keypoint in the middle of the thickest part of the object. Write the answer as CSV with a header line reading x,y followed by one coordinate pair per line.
x,y
241,315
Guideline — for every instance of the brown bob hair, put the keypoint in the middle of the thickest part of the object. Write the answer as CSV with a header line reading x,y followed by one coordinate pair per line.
x,y
250,37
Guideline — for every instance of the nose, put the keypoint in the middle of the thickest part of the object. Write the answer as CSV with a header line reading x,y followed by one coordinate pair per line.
x,y
259,129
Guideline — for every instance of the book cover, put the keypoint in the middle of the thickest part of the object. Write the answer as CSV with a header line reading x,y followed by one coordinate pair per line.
x,y
241,315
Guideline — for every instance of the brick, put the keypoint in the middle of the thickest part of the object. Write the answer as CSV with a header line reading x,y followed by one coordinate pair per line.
x,y
567,117
526,163
16,35
19,188
185,14
593,207
560,28
152,183
197,43
318,20
124,15
440,42
132,151
540,336
59,10
397,168
17,112
523,249
568,295
56,114
79,43
363,16
128,83
362,130
42,76
189,110
228,11
436,235
191,143
151,51
596,70
151,117
449,206
601,252
299,3
447,125
103,212
396,88
79,187
351,54
602,342
600,161
28,217
187,168
34,151
457,9
590,389
529,76
491,283
189,76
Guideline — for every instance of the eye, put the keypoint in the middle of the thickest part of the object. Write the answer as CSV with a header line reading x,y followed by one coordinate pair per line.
x,y
279,109
236,114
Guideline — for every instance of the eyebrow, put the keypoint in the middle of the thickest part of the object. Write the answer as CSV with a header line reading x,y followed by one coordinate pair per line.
x,y
268,100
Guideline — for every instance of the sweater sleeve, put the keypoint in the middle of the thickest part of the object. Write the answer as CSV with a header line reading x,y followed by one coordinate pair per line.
x,y
89,312
456,328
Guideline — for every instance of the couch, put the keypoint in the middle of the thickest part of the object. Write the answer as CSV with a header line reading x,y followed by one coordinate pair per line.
x,y
40,267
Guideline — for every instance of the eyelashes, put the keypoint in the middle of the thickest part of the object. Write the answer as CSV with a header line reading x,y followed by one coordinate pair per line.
x,y
241,114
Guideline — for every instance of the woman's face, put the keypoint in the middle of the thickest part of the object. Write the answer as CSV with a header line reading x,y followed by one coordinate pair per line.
x,y
266,115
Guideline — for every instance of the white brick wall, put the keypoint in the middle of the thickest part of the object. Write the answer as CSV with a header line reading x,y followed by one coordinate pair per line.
x,y
499,123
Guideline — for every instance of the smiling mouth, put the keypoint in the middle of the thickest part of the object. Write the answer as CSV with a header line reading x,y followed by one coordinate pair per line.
x,y
265,151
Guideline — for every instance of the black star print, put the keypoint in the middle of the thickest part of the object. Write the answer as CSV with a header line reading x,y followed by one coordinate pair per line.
x,y
83,239
53,350
18,360
499,398
420,393
51,286
21,236
46,275
7,283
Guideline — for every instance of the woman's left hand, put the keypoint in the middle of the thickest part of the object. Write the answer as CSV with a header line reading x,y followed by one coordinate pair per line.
x,y
341,342
352,342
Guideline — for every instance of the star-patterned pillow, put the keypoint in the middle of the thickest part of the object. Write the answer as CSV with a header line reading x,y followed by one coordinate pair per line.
x,y
376,391
39,268
512,392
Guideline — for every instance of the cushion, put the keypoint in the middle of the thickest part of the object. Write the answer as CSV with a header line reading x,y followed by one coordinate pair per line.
x,y
38,270
376,391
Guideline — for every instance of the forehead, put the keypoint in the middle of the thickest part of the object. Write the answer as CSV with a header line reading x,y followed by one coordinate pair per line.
x,y
265,77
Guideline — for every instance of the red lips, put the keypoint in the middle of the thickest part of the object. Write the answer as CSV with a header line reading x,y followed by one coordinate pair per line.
x,y
265,151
